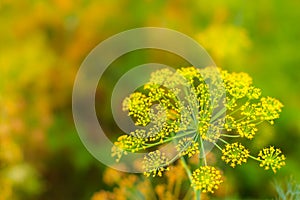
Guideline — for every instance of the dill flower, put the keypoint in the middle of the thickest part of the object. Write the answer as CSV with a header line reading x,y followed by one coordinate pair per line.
x,y
234,154
237,84
270,109
246,129
230,103
190,74
250,110
253,93
155,163
133,142
159,77
271,158
228,122
187,146
206,179
138,106
160,128
181,107
203,128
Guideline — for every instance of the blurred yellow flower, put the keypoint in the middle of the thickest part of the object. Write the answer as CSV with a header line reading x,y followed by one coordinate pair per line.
x,y
225,42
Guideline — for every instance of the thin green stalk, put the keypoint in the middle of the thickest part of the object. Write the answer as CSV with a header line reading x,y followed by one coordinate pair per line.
x,y
167,140
221,112
231,136
223,141
203,151
254,158
198,195
189,173
218,146
235,111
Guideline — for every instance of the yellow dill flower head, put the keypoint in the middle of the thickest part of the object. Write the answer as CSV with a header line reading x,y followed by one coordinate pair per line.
x,y
155,163
212,134
133,142
206,179
246,129
187,146
254,93
166,78
229,123
235,154
159,129
230,103
271,158
203,128
237,84
138,106
120,146
270,109
139,139
249,110
159,77
190,73
190,106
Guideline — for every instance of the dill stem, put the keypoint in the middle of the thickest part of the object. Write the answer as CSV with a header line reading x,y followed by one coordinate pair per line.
x,y
189,173
198,195
254,158
203,151
232,136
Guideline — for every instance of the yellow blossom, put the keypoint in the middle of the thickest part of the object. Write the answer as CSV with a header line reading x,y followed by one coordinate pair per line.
x,y
234,154
271,158
155,163
187,146
206,179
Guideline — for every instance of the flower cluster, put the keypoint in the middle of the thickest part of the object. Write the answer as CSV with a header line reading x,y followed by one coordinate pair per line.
x,y
187,146
138,106
188,107
155,163
133,142
271,158
206,179
234,154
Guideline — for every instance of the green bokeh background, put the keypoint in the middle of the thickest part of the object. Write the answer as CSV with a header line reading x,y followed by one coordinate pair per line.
x,y
42,44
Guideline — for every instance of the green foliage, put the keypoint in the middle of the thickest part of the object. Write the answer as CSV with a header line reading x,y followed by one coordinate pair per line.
x,y
289,190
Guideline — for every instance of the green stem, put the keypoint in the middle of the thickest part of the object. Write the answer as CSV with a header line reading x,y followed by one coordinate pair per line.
x,y
235,111
203,151
218,146
221,112
198,195
165,141
223,141
254,158
231,136
189,173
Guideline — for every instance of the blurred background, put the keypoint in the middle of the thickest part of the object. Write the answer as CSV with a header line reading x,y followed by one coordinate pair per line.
x,y
42,44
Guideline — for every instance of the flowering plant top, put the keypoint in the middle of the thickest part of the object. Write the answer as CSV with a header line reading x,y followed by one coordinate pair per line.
x,y
188,108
